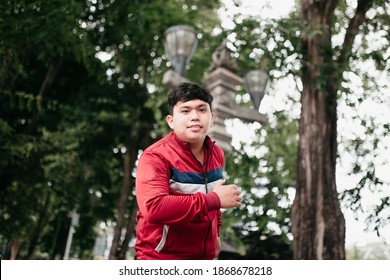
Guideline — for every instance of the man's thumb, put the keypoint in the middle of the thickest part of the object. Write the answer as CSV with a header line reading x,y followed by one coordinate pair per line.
x,y
222,181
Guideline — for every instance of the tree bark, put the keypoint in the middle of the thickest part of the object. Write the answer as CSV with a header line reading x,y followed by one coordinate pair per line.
x,y
318,225
120,219
130,230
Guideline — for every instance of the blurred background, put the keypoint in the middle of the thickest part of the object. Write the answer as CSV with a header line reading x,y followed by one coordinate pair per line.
x,y
83,87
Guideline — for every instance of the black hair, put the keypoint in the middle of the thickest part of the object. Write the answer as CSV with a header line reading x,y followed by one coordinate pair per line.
x,y
186,92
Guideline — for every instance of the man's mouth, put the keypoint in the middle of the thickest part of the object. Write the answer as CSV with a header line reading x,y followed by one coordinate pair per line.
x,y
195,126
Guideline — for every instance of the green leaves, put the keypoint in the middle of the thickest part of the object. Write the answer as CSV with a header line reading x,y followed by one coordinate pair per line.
x,y
267,181
66,117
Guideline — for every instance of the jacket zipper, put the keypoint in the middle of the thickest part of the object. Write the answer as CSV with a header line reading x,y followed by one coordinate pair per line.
x,y
206,182
207,166
204,170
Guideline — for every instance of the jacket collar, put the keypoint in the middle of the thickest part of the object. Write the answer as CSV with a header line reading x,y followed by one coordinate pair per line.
x,y
177,142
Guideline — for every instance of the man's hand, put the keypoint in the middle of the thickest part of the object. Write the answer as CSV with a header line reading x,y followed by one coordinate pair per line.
x,y
229,195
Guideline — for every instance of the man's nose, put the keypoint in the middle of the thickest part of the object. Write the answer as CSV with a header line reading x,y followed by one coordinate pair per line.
x,y
194,115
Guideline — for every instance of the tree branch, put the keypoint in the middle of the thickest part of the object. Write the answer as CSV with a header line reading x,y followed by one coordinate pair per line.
x,y
50,75
46,84
329,7
353,29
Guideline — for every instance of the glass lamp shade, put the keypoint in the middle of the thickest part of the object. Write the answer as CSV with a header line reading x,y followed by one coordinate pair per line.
x,y
256,83
180,42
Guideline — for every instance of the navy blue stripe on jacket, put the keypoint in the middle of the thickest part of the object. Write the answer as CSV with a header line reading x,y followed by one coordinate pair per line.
x,y
194,177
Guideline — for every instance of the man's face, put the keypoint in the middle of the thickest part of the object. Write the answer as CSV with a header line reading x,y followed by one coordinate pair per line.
x,y
191,120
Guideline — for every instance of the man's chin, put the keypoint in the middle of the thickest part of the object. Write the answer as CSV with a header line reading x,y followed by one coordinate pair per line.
x,y
192,139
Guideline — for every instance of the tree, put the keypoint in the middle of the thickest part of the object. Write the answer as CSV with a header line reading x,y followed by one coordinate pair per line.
x,y
261,227
71,124
35,55
318,224
306,47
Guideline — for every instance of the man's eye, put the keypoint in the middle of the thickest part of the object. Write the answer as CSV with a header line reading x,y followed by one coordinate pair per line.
x,y
184,111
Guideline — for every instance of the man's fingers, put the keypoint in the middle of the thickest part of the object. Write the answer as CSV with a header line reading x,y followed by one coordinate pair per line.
x,y
222,181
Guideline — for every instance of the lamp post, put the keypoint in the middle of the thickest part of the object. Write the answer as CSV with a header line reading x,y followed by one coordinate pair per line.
x,y
256,84
73,223
180,42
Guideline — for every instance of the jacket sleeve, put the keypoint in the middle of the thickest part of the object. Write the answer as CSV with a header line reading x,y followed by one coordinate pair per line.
x,y
156,203
219,213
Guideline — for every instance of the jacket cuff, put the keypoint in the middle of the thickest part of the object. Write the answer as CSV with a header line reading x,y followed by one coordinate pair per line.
x,y
212,201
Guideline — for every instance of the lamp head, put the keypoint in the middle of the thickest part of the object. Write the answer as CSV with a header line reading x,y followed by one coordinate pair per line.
x,y
180,42
256,83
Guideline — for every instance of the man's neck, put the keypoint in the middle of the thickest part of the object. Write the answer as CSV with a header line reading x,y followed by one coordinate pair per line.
x,y
198,151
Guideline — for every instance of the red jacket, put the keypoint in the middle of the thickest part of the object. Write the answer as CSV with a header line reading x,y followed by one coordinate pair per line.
x,y
179,216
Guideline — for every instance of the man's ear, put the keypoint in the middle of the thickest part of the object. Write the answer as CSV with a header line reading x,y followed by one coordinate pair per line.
x,y
169,119
212,119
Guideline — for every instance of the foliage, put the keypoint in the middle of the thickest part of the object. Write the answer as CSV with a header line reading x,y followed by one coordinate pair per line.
x,y
267,180
274,45
362,99
66,114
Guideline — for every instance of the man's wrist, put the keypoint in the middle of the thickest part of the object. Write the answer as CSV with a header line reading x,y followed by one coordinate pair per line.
x,y
212,201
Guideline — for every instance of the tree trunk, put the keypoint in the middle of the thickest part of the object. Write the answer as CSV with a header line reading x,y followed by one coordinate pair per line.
x,y
140,138
131,223
120,219
14,250
42,219
318,225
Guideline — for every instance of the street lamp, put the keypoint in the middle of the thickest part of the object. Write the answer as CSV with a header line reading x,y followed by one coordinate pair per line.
x,y
180,42
256,83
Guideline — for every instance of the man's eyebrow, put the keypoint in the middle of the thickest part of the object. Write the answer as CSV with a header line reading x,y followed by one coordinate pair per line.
x,y
184,107
188,106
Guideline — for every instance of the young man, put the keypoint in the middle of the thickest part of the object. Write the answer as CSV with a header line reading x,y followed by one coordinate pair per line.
x,y
179,184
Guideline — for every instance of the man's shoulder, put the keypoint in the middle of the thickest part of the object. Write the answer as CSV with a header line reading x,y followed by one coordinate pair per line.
x,y
160,145
219,150
219,154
